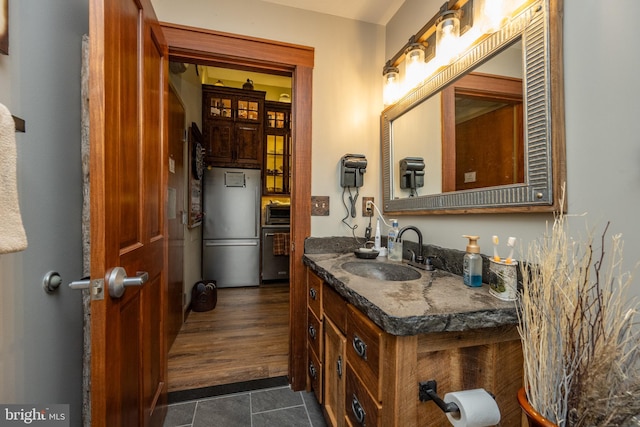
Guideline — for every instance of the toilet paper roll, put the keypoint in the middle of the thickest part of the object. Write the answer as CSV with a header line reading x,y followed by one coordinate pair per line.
x,y
477,408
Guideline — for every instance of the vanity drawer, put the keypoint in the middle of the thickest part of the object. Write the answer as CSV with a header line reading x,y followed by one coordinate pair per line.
x,y
314,293
364,344
314,374
361,409
314,333
334,307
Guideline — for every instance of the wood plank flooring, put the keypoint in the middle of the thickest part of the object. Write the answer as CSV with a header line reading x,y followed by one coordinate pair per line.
x,y
246,337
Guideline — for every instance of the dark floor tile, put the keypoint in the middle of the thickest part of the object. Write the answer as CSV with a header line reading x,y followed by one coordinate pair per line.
x,y
227,411
277,398
180,414
289,417
314,409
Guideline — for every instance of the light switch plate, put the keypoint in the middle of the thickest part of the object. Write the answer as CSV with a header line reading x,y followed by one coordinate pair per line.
x,y
319,205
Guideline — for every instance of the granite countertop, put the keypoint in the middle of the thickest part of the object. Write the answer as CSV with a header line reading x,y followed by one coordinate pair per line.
x,y
436,302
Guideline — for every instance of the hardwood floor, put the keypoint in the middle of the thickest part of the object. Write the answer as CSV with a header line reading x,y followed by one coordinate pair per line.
x,y
245,337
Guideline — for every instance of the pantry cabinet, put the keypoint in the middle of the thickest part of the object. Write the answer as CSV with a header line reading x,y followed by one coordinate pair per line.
x,y
233,126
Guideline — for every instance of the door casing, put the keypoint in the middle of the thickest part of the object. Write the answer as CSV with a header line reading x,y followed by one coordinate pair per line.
x,y
189,44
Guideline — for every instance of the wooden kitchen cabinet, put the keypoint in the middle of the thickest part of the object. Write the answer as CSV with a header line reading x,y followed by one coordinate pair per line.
x,y
378,381
277,153
233,126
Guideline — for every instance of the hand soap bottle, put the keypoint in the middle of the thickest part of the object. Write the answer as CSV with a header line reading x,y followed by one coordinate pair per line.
x,y
472,263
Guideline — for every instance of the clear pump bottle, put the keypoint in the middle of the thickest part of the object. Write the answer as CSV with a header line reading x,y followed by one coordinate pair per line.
x,y
394,244
472,263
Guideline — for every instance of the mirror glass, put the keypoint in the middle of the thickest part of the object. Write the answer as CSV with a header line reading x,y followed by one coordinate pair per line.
x,y
418,132
482,126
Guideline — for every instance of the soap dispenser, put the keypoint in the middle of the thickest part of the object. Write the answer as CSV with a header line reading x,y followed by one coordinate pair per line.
x,y
472,263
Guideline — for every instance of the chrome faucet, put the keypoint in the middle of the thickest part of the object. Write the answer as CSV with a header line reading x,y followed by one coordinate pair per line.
x,y
416,259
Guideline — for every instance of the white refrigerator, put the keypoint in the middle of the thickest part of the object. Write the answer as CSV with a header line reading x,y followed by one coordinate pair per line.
x,y
231,227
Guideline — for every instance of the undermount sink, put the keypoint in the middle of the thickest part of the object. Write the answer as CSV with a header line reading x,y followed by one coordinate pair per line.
x,y
381,271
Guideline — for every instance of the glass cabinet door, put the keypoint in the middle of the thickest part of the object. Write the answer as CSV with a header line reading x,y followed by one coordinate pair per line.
x,y
248,110
220,107
275,164
277,175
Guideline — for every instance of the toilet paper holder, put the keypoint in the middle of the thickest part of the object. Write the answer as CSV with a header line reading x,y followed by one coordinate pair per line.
x,y
428,390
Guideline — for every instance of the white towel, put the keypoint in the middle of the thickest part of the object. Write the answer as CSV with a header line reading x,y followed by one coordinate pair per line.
x,y
12,235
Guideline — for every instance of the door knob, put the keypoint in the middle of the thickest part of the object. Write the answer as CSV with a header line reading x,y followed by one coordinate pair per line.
x,y
117,281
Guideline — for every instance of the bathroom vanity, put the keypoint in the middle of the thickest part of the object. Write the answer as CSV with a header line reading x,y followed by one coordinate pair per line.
x,y
371,341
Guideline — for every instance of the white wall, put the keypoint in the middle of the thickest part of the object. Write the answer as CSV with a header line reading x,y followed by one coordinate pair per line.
x,y
41,334
602,100
347,98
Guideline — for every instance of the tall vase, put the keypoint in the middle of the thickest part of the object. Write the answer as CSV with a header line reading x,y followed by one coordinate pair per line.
x,y
533,416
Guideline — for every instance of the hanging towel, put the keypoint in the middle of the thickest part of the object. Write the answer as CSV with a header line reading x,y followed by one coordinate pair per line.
x,y
281,243
12,235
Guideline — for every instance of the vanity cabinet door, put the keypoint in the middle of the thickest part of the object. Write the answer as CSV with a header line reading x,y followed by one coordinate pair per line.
x,y
314,373
314,294
314,333
334,367
361,409
364,347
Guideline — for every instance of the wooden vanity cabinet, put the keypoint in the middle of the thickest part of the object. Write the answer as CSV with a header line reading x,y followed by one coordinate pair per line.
x,y
378,384
232,122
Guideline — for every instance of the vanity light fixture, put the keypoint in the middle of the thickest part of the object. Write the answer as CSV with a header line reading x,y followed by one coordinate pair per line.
x,y
447,37
457,26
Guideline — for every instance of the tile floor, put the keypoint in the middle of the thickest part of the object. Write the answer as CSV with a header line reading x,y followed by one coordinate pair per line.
x,y
278,406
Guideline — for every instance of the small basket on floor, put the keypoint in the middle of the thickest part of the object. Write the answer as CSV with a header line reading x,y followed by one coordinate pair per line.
x,y
204,295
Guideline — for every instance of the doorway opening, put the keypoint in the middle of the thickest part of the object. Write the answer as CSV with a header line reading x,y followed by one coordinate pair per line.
x,y
192,45
245,337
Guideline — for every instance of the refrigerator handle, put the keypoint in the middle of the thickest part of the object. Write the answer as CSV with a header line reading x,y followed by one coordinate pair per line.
x,y
257,211
232,243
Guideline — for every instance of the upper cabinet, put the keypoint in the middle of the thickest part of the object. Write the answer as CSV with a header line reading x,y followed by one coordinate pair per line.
x,y
233,131
277,153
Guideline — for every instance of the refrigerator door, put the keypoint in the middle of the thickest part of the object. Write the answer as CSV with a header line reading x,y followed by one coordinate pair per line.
x,y
231,204
232,263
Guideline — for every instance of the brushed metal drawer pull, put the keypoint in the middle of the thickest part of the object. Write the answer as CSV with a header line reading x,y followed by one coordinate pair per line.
x,y
313,293
312,370
339,366
312,332
358,410
360,347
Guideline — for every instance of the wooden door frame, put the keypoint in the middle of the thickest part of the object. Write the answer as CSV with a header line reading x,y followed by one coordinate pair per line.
x,y
217,48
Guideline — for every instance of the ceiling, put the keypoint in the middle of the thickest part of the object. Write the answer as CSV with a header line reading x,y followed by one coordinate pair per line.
x,y
374,11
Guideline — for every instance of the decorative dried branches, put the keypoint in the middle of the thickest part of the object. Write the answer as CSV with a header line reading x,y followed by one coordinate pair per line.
x,y
579,340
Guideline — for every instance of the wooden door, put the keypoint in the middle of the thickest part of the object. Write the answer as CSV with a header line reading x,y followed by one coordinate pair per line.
x,y
128,173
